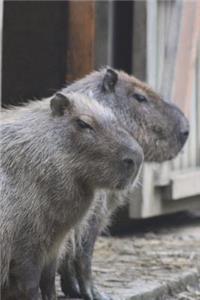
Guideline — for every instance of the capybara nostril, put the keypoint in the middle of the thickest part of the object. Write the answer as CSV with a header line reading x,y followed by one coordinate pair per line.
x,y
129,163
183,136
132,159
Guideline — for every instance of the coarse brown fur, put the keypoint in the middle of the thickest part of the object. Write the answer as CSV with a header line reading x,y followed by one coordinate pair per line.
x,y
160,128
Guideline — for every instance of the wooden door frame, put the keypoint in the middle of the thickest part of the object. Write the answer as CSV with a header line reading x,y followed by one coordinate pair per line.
x,y
80,39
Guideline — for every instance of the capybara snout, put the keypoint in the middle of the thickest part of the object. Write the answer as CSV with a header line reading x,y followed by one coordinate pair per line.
x,y
132,161
182,128
184,136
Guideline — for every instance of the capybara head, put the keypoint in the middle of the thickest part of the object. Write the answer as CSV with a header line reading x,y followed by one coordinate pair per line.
x,y
160,128
101,152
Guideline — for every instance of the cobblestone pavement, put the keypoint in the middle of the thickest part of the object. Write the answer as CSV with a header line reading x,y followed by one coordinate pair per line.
x,y
162,264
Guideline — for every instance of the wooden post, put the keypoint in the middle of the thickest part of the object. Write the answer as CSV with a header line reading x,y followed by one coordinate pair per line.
x,y
80,39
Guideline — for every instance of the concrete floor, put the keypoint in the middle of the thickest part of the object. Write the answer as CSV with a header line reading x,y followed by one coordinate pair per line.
x,y
163,263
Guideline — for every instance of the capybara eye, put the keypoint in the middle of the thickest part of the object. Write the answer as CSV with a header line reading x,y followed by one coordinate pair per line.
x,y
140,98
83,125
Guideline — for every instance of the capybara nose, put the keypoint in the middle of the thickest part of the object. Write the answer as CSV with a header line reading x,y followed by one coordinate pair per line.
x,y
128,163
132,162
183,136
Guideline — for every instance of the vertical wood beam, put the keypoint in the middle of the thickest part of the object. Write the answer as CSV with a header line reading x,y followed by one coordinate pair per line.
x,y
80,38
170,48
186,55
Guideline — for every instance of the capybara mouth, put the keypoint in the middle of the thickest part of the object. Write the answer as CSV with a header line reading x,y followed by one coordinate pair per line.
x,y
123,184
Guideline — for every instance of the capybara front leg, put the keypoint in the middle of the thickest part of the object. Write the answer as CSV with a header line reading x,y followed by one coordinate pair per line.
x,y
47,282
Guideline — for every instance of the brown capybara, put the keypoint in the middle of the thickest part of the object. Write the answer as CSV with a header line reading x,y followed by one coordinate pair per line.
x,y
160,128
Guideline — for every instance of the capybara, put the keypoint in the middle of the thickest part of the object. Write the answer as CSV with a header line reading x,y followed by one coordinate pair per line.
x,y
160,128
55,155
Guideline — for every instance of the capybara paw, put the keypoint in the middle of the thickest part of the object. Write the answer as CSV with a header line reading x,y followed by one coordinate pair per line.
x,y
70,288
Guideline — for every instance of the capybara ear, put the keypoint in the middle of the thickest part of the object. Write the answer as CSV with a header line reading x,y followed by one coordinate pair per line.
x,y
59,104
110,80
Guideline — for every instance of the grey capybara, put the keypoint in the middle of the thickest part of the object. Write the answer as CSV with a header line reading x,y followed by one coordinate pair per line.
x,y
160,128
54,155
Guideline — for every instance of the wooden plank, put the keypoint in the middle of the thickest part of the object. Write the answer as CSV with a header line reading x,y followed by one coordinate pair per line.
x,y
152,12
163,8
192,150
170,48
151,202
80,38
187,50
198,106
183,184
